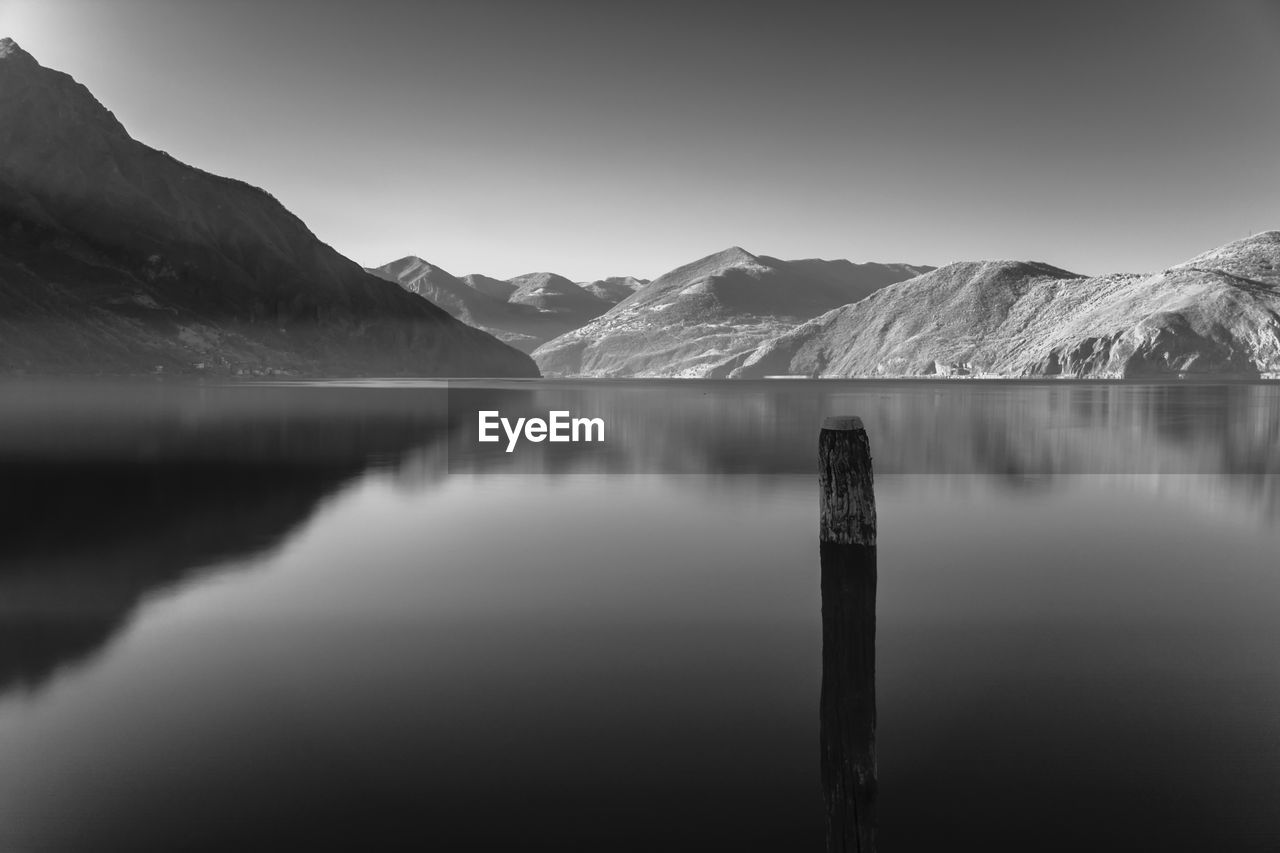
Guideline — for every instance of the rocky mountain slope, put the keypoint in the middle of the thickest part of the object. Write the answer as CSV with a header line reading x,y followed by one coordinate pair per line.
x,y
1217,314
115,257
698,318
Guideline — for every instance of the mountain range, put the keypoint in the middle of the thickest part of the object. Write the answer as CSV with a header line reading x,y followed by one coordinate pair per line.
x,y
738,315
117,258
524,311
689,322
1217,315
692,321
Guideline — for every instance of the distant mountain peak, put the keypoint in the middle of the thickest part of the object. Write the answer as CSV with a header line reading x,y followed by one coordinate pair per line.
x,y
412,261
541,279
117,257
412,268
10,49
1261,240
50,102
696,319
14,59
711,265
735,254
1255,257
996,269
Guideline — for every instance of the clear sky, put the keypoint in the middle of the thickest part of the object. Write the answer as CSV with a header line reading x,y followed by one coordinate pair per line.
x,y
606,138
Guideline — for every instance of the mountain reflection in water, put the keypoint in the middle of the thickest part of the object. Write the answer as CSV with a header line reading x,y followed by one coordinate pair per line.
x,y
108,492
1215,444
617,646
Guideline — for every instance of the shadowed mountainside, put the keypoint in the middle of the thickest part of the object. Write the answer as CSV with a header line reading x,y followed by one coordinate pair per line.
x,y
518,325
497,288
117,258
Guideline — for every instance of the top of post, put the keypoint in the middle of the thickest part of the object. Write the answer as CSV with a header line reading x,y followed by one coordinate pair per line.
x,y
842,423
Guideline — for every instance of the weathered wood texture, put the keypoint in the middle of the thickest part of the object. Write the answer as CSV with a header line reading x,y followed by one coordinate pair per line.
x,y
848,703
844,475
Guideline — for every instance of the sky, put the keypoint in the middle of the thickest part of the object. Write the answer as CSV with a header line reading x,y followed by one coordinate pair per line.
x,y
608,137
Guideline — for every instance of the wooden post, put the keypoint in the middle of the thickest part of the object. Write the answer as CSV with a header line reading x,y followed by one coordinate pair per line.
x,y
844,475
848,705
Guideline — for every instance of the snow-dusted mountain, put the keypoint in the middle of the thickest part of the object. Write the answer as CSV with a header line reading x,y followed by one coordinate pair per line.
x,y
115,257
1217,314
695,319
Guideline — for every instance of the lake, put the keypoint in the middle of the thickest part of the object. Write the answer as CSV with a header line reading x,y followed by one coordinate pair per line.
x,y
324,616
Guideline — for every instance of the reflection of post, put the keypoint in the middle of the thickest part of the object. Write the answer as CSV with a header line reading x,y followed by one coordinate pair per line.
x,y
848,704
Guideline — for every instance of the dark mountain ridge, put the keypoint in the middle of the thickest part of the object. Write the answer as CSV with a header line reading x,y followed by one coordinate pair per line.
x,y
116,258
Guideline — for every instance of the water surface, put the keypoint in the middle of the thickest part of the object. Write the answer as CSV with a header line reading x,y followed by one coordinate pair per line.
x,y
323,615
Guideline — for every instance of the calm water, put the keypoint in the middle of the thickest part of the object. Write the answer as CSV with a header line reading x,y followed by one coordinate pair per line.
x,y
235,618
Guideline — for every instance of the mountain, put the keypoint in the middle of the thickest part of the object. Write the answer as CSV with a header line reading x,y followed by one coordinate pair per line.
x,y
523,312
695,319
509,323
555,294
609,290
118,258
615,288
1217,314
437,285
490,286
